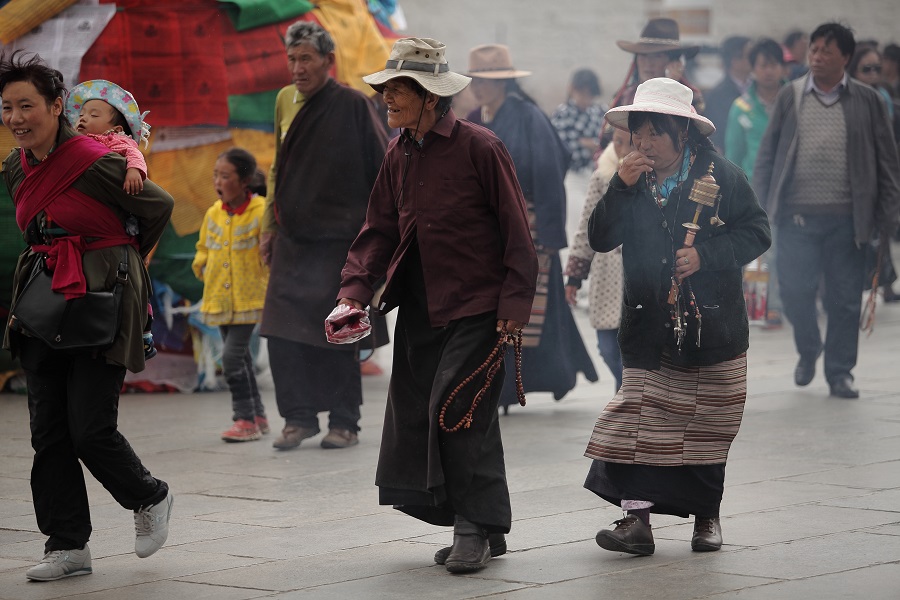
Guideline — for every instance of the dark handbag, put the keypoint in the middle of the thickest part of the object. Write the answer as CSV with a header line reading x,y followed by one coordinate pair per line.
x,y
91,321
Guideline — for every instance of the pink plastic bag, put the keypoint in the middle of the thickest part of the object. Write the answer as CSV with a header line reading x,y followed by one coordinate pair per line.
x,y
347,324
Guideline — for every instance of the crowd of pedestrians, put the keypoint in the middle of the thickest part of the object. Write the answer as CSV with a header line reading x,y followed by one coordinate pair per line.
x,y
458,223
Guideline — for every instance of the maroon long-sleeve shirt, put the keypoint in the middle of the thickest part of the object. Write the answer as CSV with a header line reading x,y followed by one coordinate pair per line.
x,y
457,197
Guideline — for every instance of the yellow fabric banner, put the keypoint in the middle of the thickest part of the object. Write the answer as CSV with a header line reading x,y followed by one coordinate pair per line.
x,y
187,174
7,142
361,49
21,16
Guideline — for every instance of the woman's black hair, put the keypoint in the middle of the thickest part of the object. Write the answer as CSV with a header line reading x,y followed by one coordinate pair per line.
x,y
513,87
46,80
244,162
861,52
258,184
672,126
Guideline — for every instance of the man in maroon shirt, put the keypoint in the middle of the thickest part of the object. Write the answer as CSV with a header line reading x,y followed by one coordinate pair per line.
x,y
447,228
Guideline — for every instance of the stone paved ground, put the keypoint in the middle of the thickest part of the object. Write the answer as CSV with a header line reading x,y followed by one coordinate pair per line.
x,y
811,508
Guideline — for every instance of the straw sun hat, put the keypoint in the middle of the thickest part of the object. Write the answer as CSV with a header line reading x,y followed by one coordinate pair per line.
x,y
661,95
423,60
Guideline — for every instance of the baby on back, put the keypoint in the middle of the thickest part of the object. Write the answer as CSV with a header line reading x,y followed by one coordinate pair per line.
x,y
108,113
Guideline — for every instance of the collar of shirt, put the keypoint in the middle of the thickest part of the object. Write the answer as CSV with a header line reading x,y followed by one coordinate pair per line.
x,y
240,209
444,125
827,98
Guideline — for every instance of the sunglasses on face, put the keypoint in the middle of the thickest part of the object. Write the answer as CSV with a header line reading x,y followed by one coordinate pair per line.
x,y
870,69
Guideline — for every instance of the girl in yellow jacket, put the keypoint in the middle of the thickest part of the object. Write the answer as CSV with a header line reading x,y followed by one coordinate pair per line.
x,y
235,278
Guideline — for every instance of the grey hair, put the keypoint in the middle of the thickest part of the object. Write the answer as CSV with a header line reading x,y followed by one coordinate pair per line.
x,y
305,32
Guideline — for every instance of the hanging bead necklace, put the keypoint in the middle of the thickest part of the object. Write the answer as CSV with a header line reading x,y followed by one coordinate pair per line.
x,y
669,185
40,160
682,305
653,184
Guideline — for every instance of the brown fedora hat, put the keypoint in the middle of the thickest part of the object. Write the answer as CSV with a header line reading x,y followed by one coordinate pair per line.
x,y
659,35
492,61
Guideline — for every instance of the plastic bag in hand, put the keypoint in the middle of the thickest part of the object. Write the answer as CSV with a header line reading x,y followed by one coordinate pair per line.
x,y
347,324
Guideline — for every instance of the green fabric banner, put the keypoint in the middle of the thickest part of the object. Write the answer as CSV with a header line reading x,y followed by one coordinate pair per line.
x,y
246,14
256,111
171,263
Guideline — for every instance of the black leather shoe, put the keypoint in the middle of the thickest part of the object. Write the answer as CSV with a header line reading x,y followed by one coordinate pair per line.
x,y
805,371
471,550
631,535
497,542
707,534
843,387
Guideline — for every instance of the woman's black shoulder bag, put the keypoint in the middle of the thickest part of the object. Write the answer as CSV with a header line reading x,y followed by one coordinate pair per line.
x,y
89,322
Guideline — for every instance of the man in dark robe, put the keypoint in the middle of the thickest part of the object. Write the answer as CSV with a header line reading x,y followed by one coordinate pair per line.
x,y
326,166
447,228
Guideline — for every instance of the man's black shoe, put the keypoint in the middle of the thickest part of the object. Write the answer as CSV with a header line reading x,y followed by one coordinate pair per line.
x,y
471,550
497,542
843,387
805,371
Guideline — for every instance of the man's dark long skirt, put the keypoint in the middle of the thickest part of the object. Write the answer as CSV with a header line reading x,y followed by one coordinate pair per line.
x,y
423,471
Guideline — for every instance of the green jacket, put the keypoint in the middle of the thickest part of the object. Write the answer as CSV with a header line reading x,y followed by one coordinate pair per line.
x,y
747,121
152,207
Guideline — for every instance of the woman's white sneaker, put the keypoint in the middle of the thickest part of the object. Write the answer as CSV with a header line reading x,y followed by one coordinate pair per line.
x,y
151,527
61,563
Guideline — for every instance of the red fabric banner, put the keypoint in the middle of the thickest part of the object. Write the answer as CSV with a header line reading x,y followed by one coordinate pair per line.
x,y
170,57
255,59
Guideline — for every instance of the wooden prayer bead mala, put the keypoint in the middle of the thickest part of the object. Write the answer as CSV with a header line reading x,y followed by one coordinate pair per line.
x,y
492,364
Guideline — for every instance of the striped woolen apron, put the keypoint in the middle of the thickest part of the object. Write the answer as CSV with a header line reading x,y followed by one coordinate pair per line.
x,y
673,416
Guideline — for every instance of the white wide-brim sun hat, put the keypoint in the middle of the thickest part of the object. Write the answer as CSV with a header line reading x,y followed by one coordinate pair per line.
x,y
423,60
661,95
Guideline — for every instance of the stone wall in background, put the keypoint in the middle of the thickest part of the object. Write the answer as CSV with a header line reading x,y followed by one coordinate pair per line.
x,y
554,38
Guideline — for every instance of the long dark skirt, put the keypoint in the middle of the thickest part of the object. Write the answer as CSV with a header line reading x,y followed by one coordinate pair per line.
x,y
554,364
682,491
423,471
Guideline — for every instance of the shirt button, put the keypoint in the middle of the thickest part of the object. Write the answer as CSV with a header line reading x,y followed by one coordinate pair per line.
x,y
225,243
664,261
665,225
227,285
668,325
228,221
224,265
421,183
